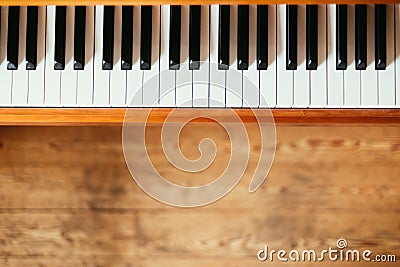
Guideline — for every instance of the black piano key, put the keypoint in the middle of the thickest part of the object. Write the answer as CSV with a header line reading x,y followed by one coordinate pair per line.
x,y
60,32
108,38
194,37
223,37
31,37
311,37
243,38
262,37
380,37
291,37
13,38
361,37
145,37
79,38
127,37
341,37
175,37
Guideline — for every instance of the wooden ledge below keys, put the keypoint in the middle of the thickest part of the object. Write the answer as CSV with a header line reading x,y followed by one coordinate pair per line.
x,y
115,116
185,2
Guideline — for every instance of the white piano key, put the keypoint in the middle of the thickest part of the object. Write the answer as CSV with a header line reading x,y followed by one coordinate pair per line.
x,y
85,76
386,78
184,93
369,77
69,75
251,76
184,88
335,89
52,77
118,76
397,53
318,82
352,77
233,83
167,76
201,76
134,76
20,76
284,77
5,76
101,92
301,97
36,77
151,78
217,77
268,89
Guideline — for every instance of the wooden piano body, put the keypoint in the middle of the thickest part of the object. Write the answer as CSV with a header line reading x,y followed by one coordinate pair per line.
x,y
115,116
67,198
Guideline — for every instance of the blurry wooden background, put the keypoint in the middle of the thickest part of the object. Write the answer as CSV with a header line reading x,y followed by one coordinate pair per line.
x,y
67,199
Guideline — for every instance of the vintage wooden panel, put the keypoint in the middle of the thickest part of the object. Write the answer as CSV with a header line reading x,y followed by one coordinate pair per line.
x,y
116,116
66,198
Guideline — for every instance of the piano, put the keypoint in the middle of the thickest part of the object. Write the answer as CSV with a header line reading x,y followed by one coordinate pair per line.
x,y
313,62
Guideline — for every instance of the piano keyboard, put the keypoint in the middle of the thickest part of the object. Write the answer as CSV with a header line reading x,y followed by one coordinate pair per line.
x,y
314,56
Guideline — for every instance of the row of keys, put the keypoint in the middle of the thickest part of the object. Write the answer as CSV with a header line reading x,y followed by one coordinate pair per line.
x,y
194,21
118,56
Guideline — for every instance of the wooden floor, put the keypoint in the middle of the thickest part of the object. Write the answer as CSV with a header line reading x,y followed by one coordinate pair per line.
x,y
67,199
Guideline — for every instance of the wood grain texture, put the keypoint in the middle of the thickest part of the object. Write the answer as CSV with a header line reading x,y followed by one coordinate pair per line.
x,y
186,2
67,198
115,116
